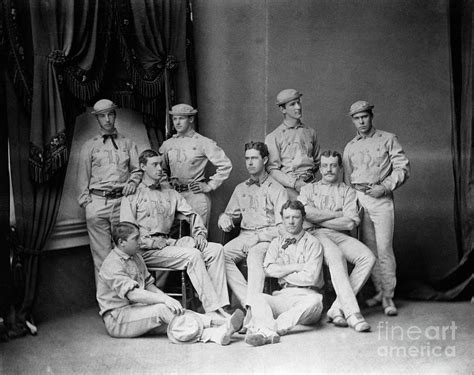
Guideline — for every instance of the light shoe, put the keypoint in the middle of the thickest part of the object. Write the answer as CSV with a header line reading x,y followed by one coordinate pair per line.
x,y
389,307
258,338
357,322
232,325
375,300
337,318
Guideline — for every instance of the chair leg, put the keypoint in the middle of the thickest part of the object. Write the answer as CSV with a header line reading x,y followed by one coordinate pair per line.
x,y
183,289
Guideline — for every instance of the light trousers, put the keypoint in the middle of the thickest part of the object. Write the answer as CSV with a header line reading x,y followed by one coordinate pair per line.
x,y
206,270
253,245
139,319
102,214
284,309
201,203
340,248
377,233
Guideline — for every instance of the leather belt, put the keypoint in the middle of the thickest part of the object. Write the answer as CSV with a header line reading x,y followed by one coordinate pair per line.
x,y
180,188
288,285
362,187
164,235
107,193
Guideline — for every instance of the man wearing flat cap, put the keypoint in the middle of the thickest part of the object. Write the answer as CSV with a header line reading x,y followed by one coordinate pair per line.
x,y
108,170
185,157
131,305
375,165
293,146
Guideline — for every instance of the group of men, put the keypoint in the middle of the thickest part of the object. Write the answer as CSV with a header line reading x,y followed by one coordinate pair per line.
x,y
290,225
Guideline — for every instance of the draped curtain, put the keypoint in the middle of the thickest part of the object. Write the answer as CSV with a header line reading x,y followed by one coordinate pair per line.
x,y
57,61
458,284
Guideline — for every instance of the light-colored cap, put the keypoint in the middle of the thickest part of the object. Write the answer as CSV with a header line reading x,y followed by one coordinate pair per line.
x,y
360,106
186,328
103,105
182,110
287,95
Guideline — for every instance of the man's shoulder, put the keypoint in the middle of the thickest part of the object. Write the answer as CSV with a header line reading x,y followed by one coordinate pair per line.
x,y
384,134
111,262
274,184
279,129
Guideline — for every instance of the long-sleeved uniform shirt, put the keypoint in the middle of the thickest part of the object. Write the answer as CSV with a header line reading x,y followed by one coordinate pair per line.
x,y
185,159
258,206
307,250
154,212
333,197
377,158
103,167
294,150
120,273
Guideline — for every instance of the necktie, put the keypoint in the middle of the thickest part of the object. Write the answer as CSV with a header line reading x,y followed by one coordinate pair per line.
x,y
288,242
252,182
156,186
112,138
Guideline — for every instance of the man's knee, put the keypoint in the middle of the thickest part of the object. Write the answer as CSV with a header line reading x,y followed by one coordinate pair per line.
x,y
215,250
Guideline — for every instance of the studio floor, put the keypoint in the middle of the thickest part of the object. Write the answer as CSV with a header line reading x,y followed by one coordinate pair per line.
x,y
426,337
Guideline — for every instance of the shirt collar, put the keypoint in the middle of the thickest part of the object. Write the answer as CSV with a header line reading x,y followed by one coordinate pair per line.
x,y
298,237
102,132
299,124
262,180
370,135
121,254
189,134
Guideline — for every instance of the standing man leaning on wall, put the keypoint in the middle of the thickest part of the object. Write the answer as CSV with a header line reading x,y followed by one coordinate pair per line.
x,y
108,170
375,165
293,147
185,156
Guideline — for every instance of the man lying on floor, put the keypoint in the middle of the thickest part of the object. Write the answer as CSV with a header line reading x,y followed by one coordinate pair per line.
x,y
131,305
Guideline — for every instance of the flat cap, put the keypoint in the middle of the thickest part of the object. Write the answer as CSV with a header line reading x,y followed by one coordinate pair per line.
x,y
182,110
287,95
186,328
360,106
103,105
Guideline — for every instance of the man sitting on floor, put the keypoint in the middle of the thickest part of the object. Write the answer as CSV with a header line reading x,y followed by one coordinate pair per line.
x,y
331,208
296,259
257,201
131,305
153,208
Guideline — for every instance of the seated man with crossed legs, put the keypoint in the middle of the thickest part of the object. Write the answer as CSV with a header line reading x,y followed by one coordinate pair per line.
x,y
257,202
153,208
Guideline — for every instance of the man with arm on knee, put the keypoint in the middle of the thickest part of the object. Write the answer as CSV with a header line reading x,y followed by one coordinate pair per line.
x,y
131,305
257,202
331,211
153,208
296,259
